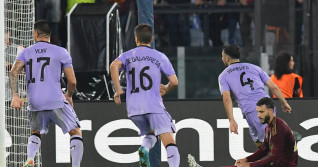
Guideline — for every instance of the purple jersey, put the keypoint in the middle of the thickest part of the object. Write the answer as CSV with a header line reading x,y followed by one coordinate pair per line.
x,y
143,67
246,81
43,64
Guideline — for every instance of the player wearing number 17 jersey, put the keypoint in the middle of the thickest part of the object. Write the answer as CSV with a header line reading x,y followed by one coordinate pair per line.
x,y
43,64
145,108
246,82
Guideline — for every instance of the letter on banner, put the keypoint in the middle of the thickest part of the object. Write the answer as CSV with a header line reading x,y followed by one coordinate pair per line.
x,y
62,145
236,142
305,145
103,141
206,138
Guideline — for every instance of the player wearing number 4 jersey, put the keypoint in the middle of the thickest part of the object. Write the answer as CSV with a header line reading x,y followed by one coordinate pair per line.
x,y
246,82
143,67
43,63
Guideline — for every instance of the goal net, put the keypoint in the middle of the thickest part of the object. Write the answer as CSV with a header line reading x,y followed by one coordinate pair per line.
x,y
18,26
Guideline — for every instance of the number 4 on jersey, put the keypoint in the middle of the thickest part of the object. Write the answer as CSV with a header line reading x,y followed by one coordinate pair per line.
x,y
249,81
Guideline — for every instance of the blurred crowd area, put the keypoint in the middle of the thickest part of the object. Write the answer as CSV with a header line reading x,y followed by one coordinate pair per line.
x,y
195,23
202,27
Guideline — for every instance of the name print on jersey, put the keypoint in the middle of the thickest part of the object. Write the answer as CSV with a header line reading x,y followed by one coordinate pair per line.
x,y
40,50
238,69
144,58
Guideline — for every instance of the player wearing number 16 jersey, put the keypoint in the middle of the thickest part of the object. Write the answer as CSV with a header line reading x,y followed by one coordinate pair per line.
x,y
43,64
143,67
246,82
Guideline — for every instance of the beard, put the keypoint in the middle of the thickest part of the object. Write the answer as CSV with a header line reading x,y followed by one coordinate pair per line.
x,y
266,119
225,64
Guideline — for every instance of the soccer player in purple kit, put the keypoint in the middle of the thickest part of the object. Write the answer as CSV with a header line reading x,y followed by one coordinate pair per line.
x,y
246,82
145,108
43,64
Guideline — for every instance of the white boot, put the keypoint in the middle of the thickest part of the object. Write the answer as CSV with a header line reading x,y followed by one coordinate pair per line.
x,y
192,162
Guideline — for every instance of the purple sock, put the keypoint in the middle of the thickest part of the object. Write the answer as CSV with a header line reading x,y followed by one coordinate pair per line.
x,y
34,144
173,155
76,150
149,141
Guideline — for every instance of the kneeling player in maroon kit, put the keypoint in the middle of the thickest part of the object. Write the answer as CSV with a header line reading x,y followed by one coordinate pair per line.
x,y
279,141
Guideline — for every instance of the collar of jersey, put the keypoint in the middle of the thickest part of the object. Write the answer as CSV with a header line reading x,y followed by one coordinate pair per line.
x,y
235,63
144,46
43,41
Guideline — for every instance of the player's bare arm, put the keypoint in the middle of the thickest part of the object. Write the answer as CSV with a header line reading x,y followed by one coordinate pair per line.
x,y
240,161
71,84
276,91
173,83
114,71
228,105
16,69
246,164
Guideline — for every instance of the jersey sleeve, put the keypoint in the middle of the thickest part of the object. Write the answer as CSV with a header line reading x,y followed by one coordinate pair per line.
x,y
21,57
223,84
66,59
166,66
264,77
122,58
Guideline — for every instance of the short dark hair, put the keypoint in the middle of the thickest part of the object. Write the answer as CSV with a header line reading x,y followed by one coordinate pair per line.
x,y
268,102
43,27
144,33
281,65
232,50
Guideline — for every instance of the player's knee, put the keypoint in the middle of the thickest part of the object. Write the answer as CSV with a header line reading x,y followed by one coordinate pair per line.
x,y
76,131
167,138
37,134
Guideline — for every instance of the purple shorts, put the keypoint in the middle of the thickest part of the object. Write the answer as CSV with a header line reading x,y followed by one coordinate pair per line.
x,y
64,117
256,128
160,123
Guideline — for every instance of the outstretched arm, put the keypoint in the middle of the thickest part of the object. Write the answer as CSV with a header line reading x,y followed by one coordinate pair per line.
x,y
228,105
276,91
114,71
16,69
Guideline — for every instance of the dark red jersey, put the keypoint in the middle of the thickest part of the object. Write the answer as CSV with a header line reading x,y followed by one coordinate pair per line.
x,y
281,144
